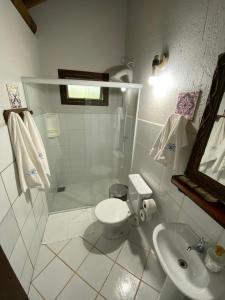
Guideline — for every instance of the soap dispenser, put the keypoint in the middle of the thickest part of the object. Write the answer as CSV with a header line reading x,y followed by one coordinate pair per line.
x,y
215,258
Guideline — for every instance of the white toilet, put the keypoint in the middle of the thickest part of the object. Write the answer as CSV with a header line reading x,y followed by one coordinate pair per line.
x,y
114,213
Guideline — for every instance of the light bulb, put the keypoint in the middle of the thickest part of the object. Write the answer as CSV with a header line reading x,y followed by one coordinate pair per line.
x,y
153,80
123,89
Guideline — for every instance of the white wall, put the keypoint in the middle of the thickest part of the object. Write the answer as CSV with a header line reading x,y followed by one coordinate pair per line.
x,y
193,32
80,35
22,216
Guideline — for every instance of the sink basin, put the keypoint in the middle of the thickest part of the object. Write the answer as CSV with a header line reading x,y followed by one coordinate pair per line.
x,y
185,269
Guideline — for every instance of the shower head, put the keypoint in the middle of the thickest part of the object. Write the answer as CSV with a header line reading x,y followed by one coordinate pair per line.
x,y
118,77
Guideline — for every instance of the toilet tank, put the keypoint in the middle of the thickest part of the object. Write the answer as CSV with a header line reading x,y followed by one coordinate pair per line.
x,y
138,190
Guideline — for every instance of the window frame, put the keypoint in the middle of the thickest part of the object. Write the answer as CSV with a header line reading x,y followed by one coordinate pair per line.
x,y
83,75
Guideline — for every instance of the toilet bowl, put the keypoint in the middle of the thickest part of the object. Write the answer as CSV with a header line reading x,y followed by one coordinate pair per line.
x,y
114,213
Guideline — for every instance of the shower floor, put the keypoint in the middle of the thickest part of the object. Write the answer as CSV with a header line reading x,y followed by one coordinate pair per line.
x,y
80,195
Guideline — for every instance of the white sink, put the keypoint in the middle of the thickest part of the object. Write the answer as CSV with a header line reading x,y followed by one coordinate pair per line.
x,y
185,269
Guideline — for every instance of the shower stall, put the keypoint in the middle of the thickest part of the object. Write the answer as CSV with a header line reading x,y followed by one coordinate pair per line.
x,y
89,148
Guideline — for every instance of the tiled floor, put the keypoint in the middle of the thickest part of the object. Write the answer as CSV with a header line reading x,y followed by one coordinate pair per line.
x,y
84,268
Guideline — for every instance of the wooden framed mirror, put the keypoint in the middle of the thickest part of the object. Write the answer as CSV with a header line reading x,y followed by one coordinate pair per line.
x,y
204,178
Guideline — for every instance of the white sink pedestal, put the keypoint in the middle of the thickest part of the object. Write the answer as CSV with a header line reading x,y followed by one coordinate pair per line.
x,y
170,291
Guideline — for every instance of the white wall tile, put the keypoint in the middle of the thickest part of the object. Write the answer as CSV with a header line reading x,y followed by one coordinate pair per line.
x,y
18,257
6,149
21,208
4,201
38,208
29,229
9,233
11,182
35,246
26,276
201,220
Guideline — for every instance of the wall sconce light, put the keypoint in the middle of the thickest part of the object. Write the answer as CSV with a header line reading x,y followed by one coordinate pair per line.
x,y
160,82
158,63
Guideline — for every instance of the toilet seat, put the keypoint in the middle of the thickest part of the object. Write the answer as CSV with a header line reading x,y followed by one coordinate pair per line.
x,y
112,211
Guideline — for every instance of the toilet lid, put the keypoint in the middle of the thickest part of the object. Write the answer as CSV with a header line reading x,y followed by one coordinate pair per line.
x,y
112,211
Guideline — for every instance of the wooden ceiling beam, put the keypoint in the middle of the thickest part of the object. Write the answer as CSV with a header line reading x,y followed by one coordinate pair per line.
x,y
31,3
22,9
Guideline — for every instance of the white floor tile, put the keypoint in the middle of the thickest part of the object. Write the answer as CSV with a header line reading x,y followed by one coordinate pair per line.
x,y
120,285
57,246
133,258
75,252
153,273
95,268
110,247
52,279
92,232
33,294
79,288
44,257
140,236
145,292
56,228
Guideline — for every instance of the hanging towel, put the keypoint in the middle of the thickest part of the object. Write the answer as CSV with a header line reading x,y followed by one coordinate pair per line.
x,y
212,157
168,147
31,172
37,140
119,117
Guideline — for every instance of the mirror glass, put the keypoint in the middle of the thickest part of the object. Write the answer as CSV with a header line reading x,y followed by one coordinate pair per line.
x,y
213,160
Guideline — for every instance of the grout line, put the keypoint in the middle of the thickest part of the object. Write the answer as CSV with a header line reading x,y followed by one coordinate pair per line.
x,y
60,292
38,292
49,248
34,278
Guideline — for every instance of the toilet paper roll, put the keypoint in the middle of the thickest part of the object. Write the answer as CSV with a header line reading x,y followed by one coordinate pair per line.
x,y
149,206
142,215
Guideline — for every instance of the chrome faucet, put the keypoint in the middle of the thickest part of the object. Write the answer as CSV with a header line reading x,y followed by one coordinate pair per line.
x,y
200,247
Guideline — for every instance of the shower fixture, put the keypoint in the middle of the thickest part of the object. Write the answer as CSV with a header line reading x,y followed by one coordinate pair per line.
x,y
124,73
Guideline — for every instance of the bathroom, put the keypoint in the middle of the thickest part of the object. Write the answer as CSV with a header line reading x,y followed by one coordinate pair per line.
x,y
52,244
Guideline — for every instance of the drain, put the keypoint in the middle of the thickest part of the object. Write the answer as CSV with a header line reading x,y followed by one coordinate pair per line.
x,y
182,263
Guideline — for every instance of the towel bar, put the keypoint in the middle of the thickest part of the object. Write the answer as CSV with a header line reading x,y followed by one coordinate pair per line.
x,y
19,111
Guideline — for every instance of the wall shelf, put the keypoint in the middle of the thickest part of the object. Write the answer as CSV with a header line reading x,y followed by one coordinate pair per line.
x,y
215,209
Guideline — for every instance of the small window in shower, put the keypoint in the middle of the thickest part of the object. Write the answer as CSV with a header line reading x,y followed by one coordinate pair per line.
x,y
83,95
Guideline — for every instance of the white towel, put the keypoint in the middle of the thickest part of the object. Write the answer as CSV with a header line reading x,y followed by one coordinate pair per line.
x,y
31,172
168,147
212,158
37,140
117,127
